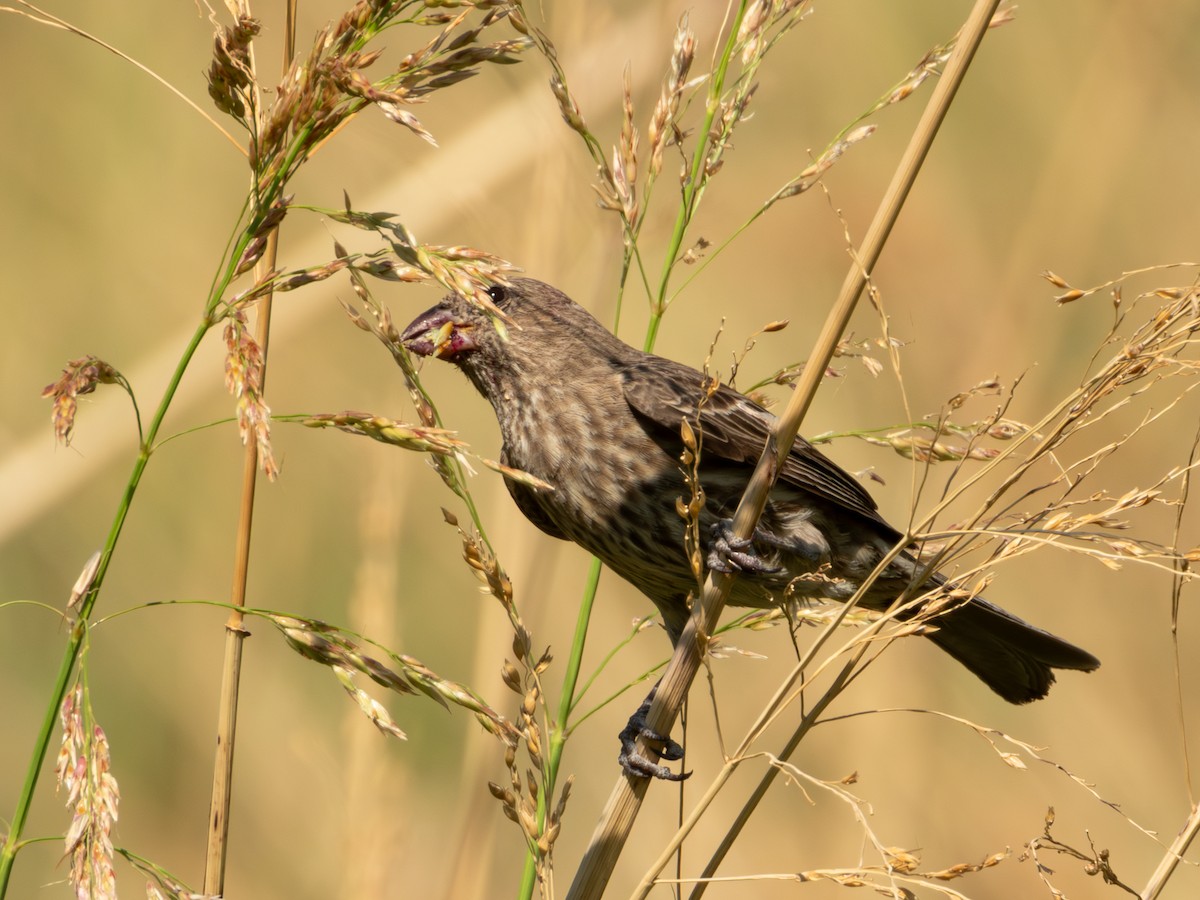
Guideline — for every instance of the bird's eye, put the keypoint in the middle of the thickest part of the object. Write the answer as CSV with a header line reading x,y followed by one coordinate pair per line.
x,y
498,293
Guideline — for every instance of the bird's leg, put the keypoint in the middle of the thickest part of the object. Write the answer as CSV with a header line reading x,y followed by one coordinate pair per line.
x,y
729,553
632,762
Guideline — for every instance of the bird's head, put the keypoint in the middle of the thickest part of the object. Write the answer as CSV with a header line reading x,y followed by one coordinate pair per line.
x,y
545,333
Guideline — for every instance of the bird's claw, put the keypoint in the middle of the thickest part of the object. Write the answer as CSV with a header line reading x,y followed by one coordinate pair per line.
x,y
729,553
636,765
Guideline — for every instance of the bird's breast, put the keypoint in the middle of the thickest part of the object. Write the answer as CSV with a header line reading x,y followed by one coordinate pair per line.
x,y
588,445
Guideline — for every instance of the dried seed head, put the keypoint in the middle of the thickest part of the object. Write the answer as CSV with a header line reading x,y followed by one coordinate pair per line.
x,y
403,117
244,369
308,642
527,819
372,708
517,475
511,676
813,172
251,255
79,377
508,800
753,29
1006,429
567,105
488,569
561,806
529,702
533,744
688,434
389,431
83,769
662,129
230,77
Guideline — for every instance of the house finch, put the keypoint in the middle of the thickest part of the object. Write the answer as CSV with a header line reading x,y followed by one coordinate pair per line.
x,y
600,422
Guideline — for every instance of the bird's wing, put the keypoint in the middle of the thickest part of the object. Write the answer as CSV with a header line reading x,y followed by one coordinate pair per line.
x,y
662,392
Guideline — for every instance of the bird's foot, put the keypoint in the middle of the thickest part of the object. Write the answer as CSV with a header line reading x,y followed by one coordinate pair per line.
x,y
729,553
632,762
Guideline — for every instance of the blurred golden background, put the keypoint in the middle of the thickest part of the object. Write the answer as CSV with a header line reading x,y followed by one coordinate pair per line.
x,y
1071,147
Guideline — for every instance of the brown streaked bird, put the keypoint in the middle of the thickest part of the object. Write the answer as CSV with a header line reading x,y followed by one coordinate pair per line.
x,y
600,421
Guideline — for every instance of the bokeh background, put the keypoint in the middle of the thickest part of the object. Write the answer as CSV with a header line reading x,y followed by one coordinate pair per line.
x,y
1072,146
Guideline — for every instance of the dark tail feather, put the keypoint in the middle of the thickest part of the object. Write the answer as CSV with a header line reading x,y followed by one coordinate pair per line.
x,y
1012,657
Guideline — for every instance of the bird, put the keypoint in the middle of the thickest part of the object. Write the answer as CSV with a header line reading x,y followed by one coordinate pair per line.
x,y
600,422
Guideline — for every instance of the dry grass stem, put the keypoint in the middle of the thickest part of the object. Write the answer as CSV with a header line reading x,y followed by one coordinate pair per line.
x,y
1015,757
1173,856
1152,352
890,881
1096,862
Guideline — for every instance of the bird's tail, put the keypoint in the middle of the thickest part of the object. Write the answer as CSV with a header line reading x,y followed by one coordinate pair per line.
x,y
1012,657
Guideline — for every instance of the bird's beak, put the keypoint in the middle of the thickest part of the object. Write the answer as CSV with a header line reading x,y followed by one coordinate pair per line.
x,y
437,333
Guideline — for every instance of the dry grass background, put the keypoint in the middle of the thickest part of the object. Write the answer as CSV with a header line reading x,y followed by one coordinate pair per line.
x,y
1071,147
